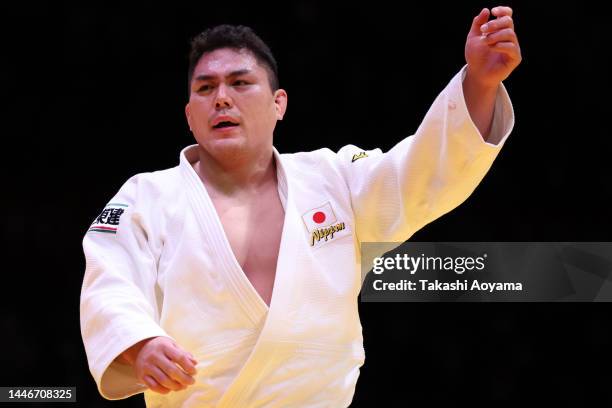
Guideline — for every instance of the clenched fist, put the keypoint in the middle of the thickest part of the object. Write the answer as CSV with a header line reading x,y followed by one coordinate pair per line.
x,y
161,365
492,50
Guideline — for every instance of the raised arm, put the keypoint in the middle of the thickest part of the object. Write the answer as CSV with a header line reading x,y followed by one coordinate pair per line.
x,y
426,175
492,52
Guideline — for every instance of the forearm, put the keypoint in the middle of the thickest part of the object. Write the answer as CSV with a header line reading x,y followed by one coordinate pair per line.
x,y
480,101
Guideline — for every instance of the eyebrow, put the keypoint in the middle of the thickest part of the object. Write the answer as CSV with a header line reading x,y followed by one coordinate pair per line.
x,y
231,74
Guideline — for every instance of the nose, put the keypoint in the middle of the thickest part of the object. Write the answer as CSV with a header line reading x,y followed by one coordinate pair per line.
x,y
222,99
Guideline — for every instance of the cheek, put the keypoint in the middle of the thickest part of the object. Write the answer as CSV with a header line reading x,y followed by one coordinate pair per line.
x,y
263,108
198,112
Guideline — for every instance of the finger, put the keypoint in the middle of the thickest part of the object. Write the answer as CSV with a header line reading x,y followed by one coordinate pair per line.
x,y
183,359
164,380
496,25
154,385
501,11
479,20
504,35
509,48
176,373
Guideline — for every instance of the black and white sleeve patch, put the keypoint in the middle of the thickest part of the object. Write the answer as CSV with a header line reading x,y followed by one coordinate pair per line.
x,y
109,218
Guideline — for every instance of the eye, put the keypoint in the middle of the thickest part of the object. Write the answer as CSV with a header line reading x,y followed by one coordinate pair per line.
x,y
240,82
205,88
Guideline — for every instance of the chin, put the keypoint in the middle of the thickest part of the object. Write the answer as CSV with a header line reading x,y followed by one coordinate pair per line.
x,y
226,148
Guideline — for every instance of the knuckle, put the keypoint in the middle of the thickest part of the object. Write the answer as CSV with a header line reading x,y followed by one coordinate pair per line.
x,y
160,377
154,360
182,377
177,378
175,373
169,382
185,379
169,371
144,367
184,382
161,381
170,353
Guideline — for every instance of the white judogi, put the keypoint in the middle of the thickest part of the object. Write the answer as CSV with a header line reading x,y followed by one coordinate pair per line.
x,y
159,264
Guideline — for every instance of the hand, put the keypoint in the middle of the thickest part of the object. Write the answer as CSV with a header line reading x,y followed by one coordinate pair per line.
x,y
492,50
161,365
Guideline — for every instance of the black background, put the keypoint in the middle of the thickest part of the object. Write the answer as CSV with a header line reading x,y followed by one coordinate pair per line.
x,y
95,93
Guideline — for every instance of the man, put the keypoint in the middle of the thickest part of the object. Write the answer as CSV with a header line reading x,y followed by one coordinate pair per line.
x,y
232,279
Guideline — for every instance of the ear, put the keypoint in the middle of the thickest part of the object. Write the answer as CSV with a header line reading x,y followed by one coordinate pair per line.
x,y
280,102
188,115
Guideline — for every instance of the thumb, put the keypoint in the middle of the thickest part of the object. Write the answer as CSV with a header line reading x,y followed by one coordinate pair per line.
x,y
479,20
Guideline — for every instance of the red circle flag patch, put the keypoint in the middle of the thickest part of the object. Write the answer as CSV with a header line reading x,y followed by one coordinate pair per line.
x,y
318,217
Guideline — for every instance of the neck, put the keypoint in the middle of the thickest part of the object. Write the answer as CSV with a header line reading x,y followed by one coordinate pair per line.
x,y
236,174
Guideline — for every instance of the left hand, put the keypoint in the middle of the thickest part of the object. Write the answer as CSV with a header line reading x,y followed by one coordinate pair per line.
x,y
492,50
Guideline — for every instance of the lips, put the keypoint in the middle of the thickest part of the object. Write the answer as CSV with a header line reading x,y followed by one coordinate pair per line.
x,y
224,125
222,122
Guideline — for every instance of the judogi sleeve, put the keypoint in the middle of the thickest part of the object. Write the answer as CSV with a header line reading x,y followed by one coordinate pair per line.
x,y
118,297
426,175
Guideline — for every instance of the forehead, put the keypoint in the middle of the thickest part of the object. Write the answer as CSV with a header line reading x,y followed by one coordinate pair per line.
x,y
223,61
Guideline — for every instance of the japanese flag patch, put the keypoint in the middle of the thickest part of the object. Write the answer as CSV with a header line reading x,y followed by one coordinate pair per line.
x,y
319,217
322,224
108,220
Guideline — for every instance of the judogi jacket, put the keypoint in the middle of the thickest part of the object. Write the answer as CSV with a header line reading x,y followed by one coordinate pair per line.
x,y
158,263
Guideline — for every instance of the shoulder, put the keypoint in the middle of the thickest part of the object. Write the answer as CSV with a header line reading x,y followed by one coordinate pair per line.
x,y
152,185
348,153
147,195
142,198
347,158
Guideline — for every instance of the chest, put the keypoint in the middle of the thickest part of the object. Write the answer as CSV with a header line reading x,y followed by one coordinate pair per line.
x,y
253,228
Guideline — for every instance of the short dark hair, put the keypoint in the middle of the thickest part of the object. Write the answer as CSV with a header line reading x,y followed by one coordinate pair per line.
x,y
236,37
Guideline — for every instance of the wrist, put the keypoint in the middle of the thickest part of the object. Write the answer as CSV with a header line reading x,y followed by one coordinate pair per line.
x,y
479,85
129,355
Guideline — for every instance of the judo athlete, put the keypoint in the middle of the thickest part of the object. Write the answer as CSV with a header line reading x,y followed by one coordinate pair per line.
x,y
231,280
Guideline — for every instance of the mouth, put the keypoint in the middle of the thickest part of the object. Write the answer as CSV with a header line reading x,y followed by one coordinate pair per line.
x,y
226,124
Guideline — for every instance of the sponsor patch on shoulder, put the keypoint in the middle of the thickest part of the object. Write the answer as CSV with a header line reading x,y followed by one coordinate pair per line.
x,y
358,156
108,220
